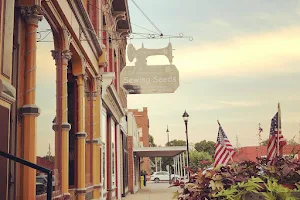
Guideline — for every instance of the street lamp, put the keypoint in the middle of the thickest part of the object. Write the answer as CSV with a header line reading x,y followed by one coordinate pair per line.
x,y
185,117
169,145
168,135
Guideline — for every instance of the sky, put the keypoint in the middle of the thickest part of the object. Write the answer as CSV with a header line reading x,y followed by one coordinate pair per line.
x,y
242,61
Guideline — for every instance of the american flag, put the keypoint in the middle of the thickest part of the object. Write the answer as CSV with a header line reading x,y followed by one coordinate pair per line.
x,y
224,149
275,147
260,129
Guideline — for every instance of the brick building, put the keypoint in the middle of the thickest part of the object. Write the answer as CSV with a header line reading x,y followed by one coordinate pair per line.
x,y
142,121
133,159
88,45
252,152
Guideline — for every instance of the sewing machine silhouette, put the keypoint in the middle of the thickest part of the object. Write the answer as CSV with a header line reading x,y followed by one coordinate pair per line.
x,y
142,54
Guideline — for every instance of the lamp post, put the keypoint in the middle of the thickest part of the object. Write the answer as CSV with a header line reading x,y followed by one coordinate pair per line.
x,y
167,131
185,117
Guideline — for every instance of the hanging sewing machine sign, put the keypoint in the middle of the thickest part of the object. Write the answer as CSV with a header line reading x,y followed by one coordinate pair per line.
x,y
149,79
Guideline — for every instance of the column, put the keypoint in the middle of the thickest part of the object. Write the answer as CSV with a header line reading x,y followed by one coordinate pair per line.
x,y
180,161
184,173
175,168
80,142
96,141
61,126
30,111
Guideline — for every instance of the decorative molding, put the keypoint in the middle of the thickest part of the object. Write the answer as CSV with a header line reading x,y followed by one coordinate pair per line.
x,y
107,79
7,91
30,110
66,54
85,24
31,14
118,15
103,59
124,125
63,54
112,101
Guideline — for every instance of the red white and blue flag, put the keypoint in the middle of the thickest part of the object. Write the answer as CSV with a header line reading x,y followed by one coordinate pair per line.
x,y
276,139
224,150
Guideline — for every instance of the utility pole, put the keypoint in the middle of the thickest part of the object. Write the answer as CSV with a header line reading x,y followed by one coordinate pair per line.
x,y
237,144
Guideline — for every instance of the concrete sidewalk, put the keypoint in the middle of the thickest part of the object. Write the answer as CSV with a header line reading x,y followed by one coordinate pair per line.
x,y
153,191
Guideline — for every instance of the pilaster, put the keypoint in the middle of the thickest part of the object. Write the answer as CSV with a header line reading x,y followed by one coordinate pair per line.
x,y
61,126
81,139
31,15
96,141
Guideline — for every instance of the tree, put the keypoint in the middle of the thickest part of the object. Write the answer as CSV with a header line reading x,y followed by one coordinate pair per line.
x,y
289,142
206,146
151,141
49,157
176,143
168,160
196,158
265,142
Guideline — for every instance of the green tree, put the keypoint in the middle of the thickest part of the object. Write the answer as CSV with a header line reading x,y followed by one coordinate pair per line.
x,y
176,143
50,158
169,160
265,142
206,146
151,141
196,158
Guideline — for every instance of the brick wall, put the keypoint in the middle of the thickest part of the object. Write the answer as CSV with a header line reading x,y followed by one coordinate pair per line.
x,y
130,165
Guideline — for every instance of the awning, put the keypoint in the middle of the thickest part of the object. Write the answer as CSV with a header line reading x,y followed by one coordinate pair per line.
x,y
159,151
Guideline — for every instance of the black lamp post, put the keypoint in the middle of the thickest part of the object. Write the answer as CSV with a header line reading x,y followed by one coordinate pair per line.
x,y
185,117
170,181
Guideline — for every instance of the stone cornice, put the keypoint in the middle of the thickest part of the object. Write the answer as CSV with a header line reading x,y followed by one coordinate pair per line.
x,y
86,25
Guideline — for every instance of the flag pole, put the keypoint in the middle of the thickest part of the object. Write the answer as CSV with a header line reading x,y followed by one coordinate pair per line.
x,y
278,129
259,138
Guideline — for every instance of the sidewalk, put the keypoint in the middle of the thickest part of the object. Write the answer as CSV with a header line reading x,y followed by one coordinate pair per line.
x,y
153,191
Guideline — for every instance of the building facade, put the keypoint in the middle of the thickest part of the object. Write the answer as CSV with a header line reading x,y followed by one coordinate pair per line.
x,y
89,43
133,159
142,121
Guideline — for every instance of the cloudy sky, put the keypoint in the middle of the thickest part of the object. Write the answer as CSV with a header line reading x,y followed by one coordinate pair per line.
x,y
242,61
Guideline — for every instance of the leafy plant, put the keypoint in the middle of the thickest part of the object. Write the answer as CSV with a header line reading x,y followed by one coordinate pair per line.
x,y
239,179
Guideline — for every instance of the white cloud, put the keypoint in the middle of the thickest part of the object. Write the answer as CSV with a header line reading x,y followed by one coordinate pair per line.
x,y
267,53
225,104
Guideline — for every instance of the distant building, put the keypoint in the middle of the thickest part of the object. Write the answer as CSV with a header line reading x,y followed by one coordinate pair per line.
x,y
142,121
133,160
252,152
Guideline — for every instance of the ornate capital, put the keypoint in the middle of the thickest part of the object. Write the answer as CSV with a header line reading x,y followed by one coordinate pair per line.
x,y
32,14
65,54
